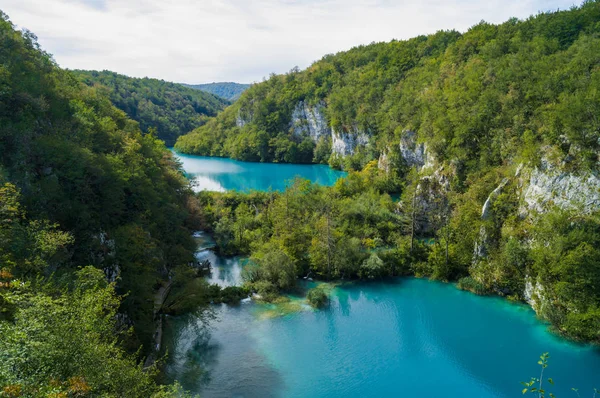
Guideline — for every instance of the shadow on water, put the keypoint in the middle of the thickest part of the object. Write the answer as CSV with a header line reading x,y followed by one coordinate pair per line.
x,y
374,339
213,354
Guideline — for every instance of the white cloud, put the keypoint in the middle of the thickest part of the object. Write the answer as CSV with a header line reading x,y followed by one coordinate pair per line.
x,y
196,41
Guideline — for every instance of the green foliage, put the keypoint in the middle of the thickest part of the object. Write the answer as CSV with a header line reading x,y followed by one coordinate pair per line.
x,y
479,99
372,268
232,295
228,90
566,257
169,108
80,185
317,298
27,247
535,385
470,284
276,267
308,230
66,341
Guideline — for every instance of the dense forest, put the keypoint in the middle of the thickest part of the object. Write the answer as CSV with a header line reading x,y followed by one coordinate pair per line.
x,y
479,99
170,109
491,137
94,217
228,90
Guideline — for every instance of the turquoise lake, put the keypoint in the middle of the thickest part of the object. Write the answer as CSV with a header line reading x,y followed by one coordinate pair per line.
x,y
406,337
403,338
222,174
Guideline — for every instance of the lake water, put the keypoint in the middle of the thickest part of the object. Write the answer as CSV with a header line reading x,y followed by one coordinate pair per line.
x,y
404,338
222,174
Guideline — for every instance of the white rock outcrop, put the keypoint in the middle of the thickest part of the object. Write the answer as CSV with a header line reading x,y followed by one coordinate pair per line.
x,y
105,256
551,187
383,163
309,121
534,293
239,122
242,118
345,143
481,246
413,153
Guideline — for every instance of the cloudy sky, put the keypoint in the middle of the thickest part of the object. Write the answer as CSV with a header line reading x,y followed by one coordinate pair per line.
x,y
197,41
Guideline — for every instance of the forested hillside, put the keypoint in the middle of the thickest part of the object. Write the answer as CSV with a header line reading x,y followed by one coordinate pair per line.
x,y
494,93
228,90
94,215
169,108
491,137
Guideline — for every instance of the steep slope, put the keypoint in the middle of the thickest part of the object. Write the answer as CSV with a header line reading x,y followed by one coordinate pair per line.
x,y
172,109
80,185
228,90
496,92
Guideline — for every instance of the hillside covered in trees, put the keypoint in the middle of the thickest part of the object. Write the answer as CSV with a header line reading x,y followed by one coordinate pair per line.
x,y
494,93
228,90
94,217
169,108
491,138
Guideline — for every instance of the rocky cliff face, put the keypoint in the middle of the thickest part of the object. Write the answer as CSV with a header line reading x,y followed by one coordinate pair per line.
x,y
541,189
548,186
104,256
242,118
383,163
345,143
413,153
431,199
309,121
481,246
534,294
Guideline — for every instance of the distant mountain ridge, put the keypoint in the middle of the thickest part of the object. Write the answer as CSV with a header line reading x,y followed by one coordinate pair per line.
x,y
171,108
228,90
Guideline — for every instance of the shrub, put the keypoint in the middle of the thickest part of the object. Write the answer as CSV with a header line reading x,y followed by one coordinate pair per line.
x,y
317,298
470,284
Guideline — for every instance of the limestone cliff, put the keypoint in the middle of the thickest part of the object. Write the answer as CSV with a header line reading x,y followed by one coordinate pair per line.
x,y
549,186
414,153
307,120
310,121
345,143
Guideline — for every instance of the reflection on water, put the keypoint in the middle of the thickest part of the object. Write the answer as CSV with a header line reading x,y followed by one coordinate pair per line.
x,y
218,357
225,271
205,183
222,174
407,338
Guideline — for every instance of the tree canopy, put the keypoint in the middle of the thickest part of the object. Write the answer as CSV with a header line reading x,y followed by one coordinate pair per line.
x,y
479,99
80,186
168,108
